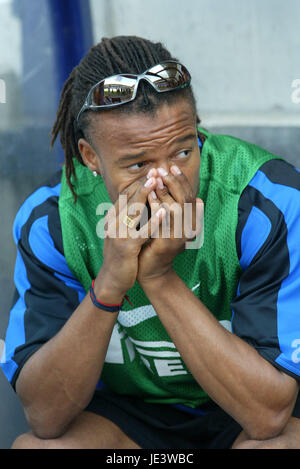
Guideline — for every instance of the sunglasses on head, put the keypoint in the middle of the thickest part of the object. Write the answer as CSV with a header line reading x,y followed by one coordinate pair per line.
x,y
120,89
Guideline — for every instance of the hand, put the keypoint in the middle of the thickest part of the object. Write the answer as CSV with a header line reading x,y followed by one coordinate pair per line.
x,y
183,221
122,244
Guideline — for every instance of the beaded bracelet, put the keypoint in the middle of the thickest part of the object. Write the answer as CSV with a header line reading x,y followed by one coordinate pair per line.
x,y
105,306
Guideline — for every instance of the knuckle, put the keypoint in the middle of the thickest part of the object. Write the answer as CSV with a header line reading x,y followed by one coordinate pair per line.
x,y
163,192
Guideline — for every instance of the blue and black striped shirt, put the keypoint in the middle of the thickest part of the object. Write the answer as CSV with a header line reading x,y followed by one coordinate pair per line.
x,y
265,310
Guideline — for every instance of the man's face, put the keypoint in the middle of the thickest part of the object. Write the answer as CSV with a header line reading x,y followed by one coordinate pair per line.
x,y
130,145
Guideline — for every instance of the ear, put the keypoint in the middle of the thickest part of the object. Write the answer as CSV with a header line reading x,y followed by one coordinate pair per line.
x,y
89,156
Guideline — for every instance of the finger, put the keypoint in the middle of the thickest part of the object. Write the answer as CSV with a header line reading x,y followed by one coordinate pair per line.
x,y
163,193
155,205
177,185
136,213
132,188
136,207
169,226
128,193
152,197
152,173
173,221
152,227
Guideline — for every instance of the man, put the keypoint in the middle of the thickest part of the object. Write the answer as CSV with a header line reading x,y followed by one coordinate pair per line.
x,y
159,370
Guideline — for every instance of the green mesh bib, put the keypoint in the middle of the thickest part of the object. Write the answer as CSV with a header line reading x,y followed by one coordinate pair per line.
x,y
141,359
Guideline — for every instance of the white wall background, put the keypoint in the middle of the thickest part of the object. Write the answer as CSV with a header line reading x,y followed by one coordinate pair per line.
x,y
10,40
243,55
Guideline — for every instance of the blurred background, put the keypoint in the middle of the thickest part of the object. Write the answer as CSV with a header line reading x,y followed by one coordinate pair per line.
x,y
244,58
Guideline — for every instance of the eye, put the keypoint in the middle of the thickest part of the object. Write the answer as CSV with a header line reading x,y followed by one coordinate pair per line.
x,y
183,154
137,166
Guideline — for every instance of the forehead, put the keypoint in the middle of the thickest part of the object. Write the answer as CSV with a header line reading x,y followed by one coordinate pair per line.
x,y
120,132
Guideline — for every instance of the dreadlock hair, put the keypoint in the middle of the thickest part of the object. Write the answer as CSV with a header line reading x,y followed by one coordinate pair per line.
x,y
121,54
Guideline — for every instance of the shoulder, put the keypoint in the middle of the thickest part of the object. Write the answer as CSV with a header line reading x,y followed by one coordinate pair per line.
x,y
269,208
275,179
265,309
37,226
43,200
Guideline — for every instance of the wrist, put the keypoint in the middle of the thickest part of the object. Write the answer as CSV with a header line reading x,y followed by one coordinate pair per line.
x,y
106,293
156,282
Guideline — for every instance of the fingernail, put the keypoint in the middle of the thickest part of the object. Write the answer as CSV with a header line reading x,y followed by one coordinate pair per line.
x,y
160,184
175,170
151,173
153,195
162,172
149,182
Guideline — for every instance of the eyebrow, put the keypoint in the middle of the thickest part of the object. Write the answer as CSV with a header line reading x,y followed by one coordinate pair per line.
x,y
127,158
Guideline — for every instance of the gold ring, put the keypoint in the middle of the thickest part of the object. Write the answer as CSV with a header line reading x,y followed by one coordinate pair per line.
x,y
128,221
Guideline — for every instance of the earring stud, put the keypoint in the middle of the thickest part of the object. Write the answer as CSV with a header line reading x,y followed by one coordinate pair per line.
x,y
95,173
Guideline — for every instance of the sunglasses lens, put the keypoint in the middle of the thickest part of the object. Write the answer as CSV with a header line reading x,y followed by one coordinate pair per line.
x,y
168,76
120,89
115,90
